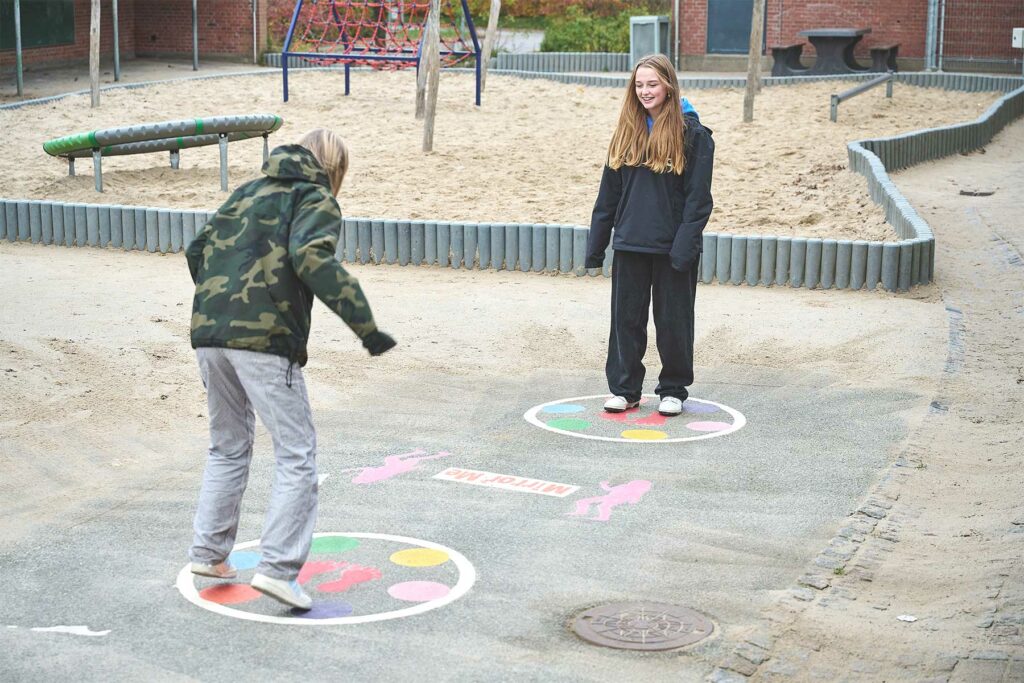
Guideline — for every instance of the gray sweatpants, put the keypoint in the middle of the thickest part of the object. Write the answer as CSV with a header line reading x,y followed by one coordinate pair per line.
x,y
237,382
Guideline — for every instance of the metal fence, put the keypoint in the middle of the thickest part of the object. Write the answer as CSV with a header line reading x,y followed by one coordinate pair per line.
x,y
974,35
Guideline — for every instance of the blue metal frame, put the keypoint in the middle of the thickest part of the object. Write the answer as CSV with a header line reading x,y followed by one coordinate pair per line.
x,y
369,53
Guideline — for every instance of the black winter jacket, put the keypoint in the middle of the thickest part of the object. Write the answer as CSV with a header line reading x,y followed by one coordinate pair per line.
x,y
656,213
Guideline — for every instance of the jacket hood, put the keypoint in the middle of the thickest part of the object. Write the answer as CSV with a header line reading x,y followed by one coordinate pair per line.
x,y
295,162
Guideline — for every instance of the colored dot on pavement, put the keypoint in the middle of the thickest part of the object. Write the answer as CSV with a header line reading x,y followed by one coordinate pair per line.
x,y
418,591
564,408
333,544
229,593
708,426
244,559
419,557
644,435
324,610
570,424
695,407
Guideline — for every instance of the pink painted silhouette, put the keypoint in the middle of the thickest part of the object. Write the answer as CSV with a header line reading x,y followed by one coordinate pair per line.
x,y
351,575
630,416
393,466
617,495
311,570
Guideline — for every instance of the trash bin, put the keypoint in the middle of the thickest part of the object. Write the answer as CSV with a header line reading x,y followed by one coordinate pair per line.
x,y
648,36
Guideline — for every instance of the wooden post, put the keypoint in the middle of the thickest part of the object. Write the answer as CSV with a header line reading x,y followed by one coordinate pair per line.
x,y
433,75
489,38
754,60
94,53
421,73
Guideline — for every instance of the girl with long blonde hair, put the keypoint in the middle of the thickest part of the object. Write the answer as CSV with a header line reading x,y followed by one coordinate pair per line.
x,y
653,204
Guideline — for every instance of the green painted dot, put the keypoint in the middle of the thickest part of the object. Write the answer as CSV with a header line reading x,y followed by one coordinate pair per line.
x,y
571,424
333,544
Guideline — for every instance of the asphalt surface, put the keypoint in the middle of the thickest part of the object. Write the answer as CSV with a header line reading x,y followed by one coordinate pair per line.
x,y
726,522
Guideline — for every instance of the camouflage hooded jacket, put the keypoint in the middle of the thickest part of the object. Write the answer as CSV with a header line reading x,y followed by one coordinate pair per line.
x,y
260,260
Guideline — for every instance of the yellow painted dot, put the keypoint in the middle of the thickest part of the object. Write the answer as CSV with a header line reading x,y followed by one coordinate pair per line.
x,y
419,557
644,434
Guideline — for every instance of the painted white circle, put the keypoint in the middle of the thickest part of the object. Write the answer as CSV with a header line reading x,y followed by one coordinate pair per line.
x,y
738,421
467,577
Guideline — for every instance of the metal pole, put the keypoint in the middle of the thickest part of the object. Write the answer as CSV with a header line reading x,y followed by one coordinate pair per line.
x,y
675,32
94,53
223,162
71,166
97,168
942,32
929,41
17,47
255,52
195,37
175,159
266,147
117,46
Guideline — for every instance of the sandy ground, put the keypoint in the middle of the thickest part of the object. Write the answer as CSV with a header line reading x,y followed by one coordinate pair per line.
x,y
99,400
950,551
531,153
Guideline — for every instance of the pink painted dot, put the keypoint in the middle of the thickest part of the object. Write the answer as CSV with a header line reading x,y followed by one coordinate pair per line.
x,y
418,591
708,426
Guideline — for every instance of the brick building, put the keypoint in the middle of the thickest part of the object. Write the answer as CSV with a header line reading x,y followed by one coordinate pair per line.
x,y
970,34
56,32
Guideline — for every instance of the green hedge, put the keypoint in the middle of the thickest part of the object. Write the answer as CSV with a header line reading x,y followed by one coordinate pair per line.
x,y
581,32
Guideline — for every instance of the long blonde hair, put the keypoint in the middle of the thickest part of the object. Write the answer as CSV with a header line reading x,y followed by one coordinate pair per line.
x,y
662,149
330,150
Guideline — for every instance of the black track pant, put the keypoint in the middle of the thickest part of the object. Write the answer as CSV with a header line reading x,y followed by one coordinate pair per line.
x,y
635,276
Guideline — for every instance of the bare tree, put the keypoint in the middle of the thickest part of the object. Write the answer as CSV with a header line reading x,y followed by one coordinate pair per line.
x,y
94,53
754,60
489,38
433,74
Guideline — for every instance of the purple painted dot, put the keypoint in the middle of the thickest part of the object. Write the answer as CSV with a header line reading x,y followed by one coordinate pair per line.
x,y
418,591
564,408
708,426
324,610
695,407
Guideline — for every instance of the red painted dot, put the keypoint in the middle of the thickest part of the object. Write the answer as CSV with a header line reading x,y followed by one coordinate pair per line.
x,y
229,593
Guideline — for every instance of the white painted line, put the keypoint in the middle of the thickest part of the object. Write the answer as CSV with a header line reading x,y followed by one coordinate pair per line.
x,y
467,577
73,630
507,482
531,416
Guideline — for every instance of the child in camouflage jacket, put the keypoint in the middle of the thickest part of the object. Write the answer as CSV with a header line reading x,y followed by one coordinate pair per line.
x,y
257,265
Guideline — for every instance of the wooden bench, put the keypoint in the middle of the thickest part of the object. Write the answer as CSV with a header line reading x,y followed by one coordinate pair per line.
x,y
883,57
786,59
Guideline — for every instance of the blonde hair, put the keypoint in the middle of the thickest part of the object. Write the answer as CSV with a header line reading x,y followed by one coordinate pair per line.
x,y
330,150
662,149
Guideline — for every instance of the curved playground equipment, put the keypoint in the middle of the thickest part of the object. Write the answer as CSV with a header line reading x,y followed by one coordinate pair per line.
x,y
167,136
384,33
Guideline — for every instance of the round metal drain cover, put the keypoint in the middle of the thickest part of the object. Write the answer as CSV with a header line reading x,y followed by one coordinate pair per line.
x,y
642,626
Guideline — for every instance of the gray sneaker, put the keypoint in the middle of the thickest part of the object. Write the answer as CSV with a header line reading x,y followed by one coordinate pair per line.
x,y
288,592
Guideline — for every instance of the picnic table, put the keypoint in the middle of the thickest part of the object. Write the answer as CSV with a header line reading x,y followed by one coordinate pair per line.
x,y
834,47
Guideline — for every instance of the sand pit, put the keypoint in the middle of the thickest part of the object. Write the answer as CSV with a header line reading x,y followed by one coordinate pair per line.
x,y
532,153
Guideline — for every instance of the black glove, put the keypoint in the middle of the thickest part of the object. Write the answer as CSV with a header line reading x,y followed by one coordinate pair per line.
x,y
377,343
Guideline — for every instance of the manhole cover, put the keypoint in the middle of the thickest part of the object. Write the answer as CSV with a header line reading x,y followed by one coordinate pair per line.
x,y
642,626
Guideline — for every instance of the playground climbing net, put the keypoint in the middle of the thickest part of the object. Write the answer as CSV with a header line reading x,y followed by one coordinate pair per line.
x,y
383,33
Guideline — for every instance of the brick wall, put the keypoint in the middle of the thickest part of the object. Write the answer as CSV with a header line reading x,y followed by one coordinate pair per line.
x,y
163,28
225,28
79,50
984,24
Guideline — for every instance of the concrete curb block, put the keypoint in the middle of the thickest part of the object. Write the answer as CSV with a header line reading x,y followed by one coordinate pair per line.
x,y
753,260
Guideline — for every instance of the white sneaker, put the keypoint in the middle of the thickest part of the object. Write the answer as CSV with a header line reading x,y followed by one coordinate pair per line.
x,y
222,570
619,404
670,405
288,592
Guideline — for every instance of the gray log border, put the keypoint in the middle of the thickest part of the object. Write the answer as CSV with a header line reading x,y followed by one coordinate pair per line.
x,y
754,260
